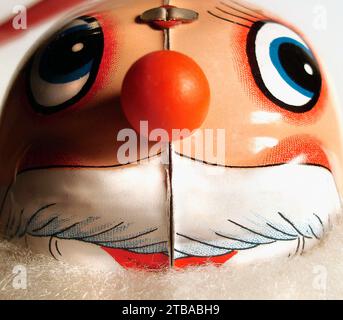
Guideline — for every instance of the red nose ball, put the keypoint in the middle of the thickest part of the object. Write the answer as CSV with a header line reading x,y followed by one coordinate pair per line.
x,y
168,90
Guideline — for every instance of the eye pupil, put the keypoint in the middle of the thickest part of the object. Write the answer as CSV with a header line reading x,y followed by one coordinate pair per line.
x,y
70,56
300,67
63,71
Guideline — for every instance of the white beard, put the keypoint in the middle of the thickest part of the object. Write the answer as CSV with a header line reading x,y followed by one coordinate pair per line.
x,y
315,275
257,213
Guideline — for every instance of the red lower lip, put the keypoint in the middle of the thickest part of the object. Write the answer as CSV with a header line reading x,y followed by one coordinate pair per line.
x,y
158,261
199,261
167,24
132,260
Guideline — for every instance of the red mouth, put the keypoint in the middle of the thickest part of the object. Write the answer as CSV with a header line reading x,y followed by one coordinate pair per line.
x,y
200,261
132,260
159,261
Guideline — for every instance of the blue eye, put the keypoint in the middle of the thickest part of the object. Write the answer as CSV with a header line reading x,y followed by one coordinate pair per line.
x,y
295,64
284,67
63,71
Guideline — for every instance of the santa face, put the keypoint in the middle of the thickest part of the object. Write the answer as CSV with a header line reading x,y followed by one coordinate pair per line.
x,y
254,174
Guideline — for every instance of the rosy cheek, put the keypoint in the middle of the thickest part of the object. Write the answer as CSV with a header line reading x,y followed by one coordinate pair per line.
x,y
110,57
299,149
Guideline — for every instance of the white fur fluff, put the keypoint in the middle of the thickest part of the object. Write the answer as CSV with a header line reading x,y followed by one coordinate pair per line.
x,y
315,275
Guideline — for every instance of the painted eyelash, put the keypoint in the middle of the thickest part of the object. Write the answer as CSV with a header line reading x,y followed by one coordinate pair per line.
x,y
228,20
261,16
234,15
237,14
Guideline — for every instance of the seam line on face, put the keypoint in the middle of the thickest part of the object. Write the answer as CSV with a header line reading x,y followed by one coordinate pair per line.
x,y
166,46
171,204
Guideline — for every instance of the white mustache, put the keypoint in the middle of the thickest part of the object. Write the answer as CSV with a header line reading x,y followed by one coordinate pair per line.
x,y
101,206
282,209
220,210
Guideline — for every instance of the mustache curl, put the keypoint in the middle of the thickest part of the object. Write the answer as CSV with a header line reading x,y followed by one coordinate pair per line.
x,y
235,236
228,236
93,229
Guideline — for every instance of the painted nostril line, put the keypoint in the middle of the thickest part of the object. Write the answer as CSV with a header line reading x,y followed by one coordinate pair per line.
x,y
167,89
